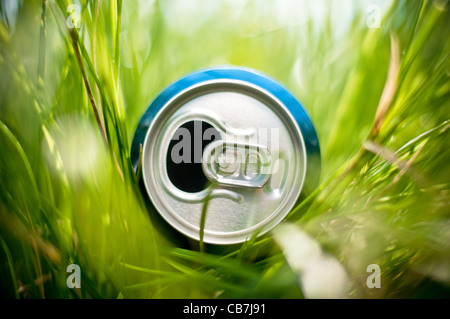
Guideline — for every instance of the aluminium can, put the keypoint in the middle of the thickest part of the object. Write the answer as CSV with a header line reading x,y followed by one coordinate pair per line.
x,y
234,136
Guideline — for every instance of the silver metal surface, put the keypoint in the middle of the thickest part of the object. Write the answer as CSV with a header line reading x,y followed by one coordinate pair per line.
x,y
251,197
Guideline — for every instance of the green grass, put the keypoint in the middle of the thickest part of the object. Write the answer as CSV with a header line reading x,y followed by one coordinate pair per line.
x,y
71,99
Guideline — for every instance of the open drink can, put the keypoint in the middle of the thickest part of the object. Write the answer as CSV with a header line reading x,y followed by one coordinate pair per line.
x,y
232,136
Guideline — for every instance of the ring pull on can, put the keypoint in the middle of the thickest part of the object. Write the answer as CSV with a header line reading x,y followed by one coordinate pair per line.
x,y
236,164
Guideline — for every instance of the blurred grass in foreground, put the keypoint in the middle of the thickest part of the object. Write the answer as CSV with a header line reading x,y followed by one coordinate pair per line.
x,y
70,101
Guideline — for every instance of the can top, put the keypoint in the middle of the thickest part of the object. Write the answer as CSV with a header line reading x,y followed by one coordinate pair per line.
x,y
235,136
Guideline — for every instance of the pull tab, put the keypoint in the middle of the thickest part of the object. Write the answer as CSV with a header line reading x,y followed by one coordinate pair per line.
x,y
236,164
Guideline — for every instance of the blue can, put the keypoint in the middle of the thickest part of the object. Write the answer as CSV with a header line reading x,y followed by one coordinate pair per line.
x,y
234,136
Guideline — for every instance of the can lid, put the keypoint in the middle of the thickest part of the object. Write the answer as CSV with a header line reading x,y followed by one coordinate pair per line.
x,y
235,136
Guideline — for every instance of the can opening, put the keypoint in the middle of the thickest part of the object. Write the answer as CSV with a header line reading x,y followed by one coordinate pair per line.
x,y
185,153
